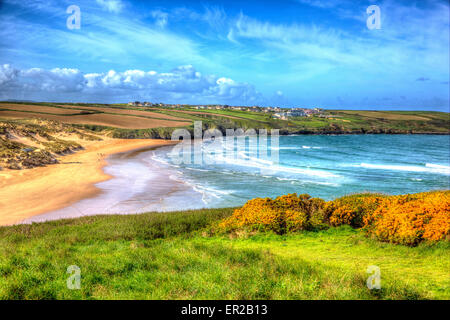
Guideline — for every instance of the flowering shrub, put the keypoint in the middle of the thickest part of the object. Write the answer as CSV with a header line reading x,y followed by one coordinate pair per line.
x,y
405,219
284,214
409,219
350,210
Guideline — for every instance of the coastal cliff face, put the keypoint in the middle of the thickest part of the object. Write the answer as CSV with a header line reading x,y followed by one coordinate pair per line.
x,y
165,133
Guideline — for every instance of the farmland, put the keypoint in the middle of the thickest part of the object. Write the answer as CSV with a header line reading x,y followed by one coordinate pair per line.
x,y
124,121
92,115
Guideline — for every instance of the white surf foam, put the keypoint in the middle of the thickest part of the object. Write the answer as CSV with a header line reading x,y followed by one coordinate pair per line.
x,y
428,168
278,168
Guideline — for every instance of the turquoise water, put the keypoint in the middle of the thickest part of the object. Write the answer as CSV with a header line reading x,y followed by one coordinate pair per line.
x,y
322,166
231,172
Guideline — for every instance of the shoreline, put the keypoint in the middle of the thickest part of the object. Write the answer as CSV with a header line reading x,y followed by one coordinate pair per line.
x,y
140,184
99,172
31,192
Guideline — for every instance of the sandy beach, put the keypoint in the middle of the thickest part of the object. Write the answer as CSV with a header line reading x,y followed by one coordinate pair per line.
x,y
30,192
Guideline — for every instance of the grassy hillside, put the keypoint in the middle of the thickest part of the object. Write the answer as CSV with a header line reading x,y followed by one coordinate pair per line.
x,y
176,256
123,121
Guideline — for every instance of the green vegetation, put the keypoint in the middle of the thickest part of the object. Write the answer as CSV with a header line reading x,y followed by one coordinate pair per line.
x,y
15,155
120,133
330,122
179,256
345,121
30,143
404,219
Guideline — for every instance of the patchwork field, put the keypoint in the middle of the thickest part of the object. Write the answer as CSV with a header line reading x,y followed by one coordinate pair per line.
x,y
100,116
129,112
388,115
35,109
124,121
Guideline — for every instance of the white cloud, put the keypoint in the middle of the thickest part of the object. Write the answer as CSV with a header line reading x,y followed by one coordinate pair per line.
x,y
214,16
114,6
324,4
7,74
182,84
417,44
35,79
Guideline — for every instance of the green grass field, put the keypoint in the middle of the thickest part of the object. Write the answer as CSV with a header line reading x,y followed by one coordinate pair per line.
x,y
178,256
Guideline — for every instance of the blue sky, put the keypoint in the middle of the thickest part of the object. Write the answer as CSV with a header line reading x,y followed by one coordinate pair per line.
x,y
299,53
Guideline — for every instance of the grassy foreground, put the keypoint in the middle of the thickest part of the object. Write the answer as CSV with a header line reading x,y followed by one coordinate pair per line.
x,y
173,256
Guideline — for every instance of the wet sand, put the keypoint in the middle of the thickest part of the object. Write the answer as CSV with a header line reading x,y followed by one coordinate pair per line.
x,y
139,184
32,192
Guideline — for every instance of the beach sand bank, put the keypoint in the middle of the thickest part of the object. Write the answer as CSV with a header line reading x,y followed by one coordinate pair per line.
x,y
30,192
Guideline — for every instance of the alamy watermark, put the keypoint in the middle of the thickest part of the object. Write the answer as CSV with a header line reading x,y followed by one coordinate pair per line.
x,y
374,280
374,19
74,20
74,281
213,147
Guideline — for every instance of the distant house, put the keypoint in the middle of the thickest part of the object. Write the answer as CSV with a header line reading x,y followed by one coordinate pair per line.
x,y
297,113
289,114
254,109
281,115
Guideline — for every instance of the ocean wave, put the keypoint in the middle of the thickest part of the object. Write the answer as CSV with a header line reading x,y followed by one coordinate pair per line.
x,y
197,169
208,192
437,166
278,168
284,148
255,159
286,179
295,148
428,168
298,181
158,159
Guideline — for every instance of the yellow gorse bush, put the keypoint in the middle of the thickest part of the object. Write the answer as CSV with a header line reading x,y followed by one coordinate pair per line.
x,y
409,219
283,214
350,210
405,219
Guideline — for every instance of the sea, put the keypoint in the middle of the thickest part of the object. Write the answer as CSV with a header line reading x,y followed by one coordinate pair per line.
x,y
227,172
